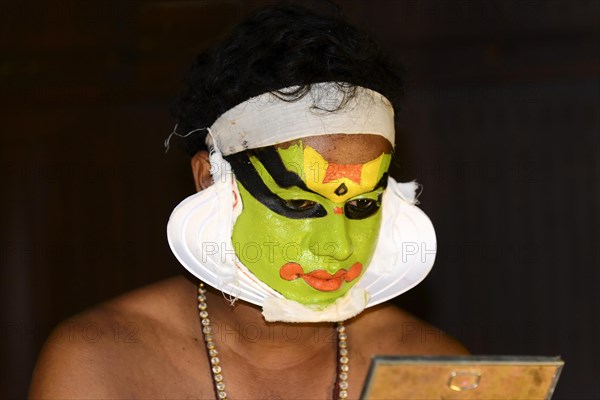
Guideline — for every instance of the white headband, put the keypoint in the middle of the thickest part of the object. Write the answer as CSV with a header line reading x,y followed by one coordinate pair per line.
x,y
268,120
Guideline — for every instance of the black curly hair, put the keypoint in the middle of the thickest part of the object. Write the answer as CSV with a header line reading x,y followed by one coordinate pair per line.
x,y
279,47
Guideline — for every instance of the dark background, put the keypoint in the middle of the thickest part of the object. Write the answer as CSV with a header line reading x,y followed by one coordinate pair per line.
x,y
501,125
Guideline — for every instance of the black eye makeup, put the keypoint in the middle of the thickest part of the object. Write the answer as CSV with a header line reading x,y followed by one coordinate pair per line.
x,y
361,208
247,175
300,205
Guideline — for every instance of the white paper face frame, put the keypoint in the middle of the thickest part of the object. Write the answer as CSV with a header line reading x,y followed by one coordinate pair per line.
x,y
199,233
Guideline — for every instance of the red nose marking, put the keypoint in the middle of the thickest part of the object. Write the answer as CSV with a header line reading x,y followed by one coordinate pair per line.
x,y
338,210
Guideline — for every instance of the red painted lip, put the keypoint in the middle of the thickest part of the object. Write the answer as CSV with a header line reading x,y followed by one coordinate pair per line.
x,y
318,278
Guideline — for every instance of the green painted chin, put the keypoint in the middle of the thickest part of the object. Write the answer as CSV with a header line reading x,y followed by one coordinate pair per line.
x,y
313,261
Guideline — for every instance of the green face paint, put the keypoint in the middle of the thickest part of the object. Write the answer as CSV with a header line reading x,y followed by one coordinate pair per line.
x,y
312,240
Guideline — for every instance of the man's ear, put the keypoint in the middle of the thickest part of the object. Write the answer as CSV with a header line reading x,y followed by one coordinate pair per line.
x,y
201,170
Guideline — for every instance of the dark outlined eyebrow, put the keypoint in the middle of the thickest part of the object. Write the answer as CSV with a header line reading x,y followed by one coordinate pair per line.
x,y
271,160
383,182
247,175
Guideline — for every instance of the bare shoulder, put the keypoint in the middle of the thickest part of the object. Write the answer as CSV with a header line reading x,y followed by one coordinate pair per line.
x,y
387,330
98,353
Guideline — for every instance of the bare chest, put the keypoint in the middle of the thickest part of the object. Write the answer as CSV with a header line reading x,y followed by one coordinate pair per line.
x,y
185,373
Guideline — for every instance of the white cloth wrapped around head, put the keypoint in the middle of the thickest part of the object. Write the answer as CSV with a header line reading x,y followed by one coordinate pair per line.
x,y
269,119
200,228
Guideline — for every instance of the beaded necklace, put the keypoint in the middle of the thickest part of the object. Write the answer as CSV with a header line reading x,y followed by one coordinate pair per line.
x,y
340,389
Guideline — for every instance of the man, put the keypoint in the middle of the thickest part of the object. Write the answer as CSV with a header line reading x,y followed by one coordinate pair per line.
x,y
296,234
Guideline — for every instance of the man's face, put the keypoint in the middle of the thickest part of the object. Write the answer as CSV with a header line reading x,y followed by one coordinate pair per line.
x,y
311,213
